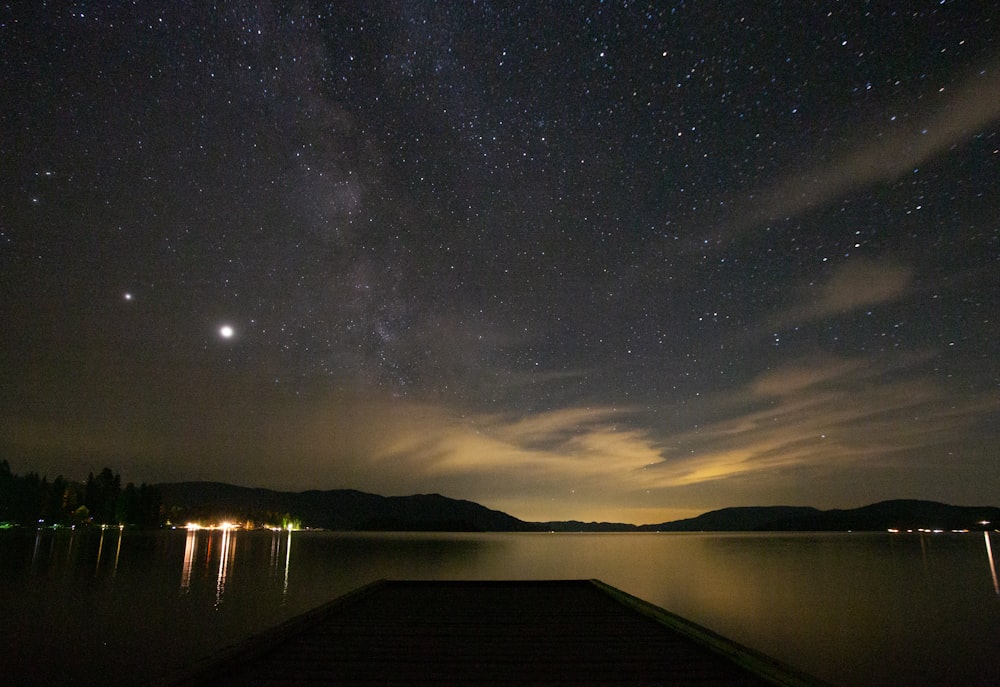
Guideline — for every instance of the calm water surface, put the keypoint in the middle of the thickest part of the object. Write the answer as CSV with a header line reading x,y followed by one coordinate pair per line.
x,y
113,608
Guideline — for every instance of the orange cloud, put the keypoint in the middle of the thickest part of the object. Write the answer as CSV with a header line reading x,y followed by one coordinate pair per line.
x,y
785,436
814,419
823,416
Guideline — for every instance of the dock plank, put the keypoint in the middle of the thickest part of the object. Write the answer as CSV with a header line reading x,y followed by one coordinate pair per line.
x,y
491,633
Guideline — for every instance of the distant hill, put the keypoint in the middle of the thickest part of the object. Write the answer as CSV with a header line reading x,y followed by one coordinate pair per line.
x,y
339,509
736,519
899,514
347,509
578,526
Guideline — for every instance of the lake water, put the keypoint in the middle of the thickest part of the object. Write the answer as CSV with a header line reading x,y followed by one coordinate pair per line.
x,y
121,608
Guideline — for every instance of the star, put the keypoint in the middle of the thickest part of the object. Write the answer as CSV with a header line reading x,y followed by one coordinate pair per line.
x,y
522,229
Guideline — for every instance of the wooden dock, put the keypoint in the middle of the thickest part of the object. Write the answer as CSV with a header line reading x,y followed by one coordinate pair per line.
x,y
578,632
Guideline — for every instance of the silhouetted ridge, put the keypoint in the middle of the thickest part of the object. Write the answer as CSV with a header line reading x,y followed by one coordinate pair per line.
x,y
578,526
348,509
337,509
736,519
900,514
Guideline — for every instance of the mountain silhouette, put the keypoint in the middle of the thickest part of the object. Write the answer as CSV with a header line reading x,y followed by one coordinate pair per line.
x,y
348,509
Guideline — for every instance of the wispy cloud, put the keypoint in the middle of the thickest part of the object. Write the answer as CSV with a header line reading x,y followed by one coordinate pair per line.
x,y
827,416
853,286
817,430
890,150
565,463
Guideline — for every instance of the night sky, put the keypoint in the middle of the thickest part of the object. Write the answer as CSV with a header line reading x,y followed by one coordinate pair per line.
x,y
603,260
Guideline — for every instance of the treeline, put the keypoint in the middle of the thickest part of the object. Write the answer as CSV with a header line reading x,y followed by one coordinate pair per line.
x,y
32,499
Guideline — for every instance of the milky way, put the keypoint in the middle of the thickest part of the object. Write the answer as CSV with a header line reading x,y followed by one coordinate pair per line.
x,y
623,261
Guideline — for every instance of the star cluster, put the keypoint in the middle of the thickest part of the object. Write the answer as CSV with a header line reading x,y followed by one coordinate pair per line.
x,y
593,260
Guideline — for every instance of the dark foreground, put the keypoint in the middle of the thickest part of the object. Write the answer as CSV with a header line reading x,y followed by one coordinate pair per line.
x,y
554,632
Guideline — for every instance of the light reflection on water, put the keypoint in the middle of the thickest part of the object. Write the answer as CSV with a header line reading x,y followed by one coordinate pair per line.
x,y
226,551
120,607
190,551
201,545
288,561
993,567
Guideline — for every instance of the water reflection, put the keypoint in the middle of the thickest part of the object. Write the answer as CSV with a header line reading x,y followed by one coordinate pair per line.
x,y
275,550
190,550
856,609
993,567
228,549
71,549
288,559
276,559
226,562
100,550
34,552
118,551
